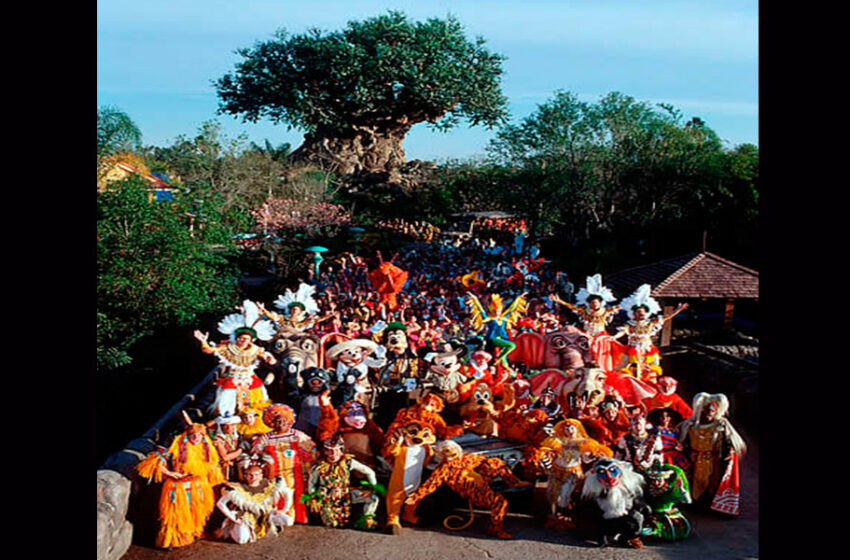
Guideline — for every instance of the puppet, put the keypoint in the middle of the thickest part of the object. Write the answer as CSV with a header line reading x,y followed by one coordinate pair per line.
x,y
239,387
470,475
387,280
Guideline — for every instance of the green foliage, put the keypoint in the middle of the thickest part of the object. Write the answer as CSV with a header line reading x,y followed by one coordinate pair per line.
x,y
160,264
116,132
614,165
384,72
242,176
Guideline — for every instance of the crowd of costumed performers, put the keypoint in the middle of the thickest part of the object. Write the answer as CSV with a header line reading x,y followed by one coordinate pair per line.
x,y
348,401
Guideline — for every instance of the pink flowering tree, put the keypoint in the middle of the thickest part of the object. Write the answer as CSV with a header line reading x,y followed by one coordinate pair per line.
x,y
289,215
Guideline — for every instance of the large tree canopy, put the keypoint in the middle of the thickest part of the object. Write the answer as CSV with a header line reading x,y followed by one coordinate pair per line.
x,y
357,92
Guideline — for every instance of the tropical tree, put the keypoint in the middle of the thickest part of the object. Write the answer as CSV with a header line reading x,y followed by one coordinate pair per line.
x,y
357,92
159,264
614,165
116,132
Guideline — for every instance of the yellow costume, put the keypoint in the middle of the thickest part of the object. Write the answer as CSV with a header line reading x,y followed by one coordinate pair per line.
x,y
185,504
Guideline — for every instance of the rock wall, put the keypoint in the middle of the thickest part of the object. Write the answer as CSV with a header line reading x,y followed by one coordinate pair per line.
x,y
118,485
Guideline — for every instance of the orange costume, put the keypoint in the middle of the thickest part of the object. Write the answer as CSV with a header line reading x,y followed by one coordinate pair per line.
x,y
408,450
186,502
569,445
470,476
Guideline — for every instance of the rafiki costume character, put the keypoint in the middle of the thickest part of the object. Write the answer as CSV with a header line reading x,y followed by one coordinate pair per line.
x,y
469,475
288,453
408,449
239,387
188,471
617,491
251,507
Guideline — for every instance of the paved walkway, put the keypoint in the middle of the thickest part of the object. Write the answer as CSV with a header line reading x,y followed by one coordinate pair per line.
x,y
716,538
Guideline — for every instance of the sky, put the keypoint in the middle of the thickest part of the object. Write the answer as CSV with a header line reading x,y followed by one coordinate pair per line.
x,y
157,60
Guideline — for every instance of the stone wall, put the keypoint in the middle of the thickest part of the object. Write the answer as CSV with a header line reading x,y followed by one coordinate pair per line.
x,y
118,485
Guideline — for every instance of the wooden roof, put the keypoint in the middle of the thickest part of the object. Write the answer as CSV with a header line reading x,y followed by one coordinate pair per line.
x,y
697,275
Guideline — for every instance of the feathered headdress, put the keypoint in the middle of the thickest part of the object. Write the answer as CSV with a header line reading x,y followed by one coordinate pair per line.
x,y
641,298
303,297
722,402
248,321
594,287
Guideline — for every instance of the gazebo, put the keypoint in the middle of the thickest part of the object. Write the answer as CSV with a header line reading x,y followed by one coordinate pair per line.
x,y
703,276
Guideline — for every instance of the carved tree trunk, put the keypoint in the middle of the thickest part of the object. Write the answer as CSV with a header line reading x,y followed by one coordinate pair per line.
x,y
363,150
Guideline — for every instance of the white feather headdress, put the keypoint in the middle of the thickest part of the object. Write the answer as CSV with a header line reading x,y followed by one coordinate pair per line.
x,y
304,297
593,287
641,297
249,318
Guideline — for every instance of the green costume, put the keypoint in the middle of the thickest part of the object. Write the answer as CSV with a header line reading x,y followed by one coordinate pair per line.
x,y
667,486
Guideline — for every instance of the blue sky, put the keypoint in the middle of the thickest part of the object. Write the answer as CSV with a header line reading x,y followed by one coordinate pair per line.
x,y
156,60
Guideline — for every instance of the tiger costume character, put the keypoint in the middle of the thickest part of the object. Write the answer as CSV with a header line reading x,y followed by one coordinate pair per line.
x,y
470,477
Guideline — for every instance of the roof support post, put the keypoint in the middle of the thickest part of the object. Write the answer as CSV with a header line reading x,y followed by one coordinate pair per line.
x,y
728,313
667,330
